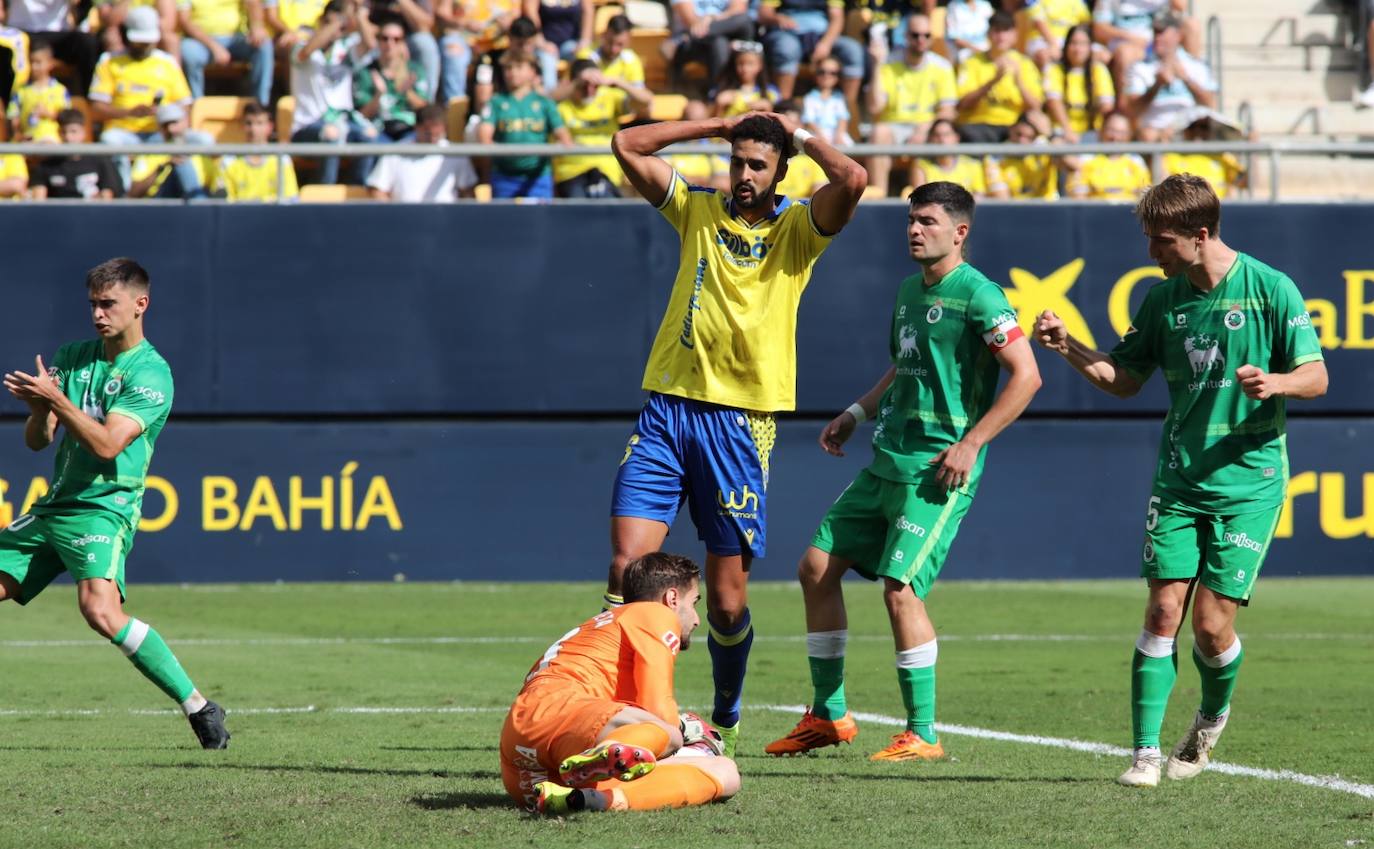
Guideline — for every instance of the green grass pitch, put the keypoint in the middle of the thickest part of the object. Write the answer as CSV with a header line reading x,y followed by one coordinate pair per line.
x,y
368,715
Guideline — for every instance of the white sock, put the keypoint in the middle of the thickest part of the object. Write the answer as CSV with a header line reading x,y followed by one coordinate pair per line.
x,y
194,703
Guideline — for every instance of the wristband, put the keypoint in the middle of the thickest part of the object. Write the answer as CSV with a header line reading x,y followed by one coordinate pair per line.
x,y
799,137
857,411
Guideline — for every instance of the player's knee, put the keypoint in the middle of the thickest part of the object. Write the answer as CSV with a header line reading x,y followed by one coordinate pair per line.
x,y
1163,616
899,597
1211,629
102,618
813,570
726,613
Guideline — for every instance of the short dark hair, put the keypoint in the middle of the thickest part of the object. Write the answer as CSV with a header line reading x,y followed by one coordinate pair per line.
x,y
41,47
578,66
253,107
619,24
953,198
761,128
791,104
523,27
1001,21
431,112
388,18
647,577
68,117
117,271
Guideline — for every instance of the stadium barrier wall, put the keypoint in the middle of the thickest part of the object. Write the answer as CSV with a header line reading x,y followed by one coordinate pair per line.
x,y
476,309
522,500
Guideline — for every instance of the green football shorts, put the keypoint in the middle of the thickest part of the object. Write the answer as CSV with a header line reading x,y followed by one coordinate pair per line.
x,y
1223,552
36,549
893,530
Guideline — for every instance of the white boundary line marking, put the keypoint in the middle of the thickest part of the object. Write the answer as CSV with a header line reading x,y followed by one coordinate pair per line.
x,y
1325,782
1122,638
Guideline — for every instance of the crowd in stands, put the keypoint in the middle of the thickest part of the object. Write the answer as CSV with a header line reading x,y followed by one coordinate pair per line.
x,y
572,72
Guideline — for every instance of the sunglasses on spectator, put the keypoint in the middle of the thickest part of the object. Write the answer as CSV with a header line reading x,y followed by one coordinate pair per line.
x,y
827,72
915,34
390,38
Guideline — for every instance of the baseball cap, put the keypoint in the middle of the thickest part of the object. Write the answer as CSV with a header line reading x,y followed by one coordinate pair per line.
x,y
142,25
169,112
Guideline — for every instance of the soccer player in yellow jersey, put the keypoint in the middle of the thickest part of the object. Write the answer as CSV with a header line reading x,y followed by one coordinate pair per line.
x,y
1120,176
724,360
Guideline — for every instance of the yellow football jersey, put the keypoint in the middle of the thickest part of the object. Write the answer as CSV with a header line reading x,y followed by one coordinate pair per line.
x,y
627,66
243,179
592,124
18,42
1072,88
1104,177
914,94
1221,170
1029,177
967,171
1003,103
729,335
125,82
12,165
26,102
216,17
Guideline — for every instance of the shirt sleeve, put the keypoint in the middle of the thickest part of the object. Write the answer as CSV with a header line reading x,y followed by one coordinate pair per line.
x,y
103,84
945,89
178,91
146,396
1295,340
655,641
677,206
1104,88
1137,352
991,316
555,118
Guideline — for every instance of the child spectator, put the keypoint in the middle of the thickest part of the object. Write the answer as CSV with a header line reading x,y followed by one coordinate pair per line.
x,y
744,86
33,108
84,177
522,116
592,114
390,89
256,178
824,109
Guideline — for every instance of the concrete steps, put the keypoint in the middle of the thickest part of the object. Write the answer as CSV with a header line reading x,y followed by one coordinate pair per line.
x,y
1315,178
1339,119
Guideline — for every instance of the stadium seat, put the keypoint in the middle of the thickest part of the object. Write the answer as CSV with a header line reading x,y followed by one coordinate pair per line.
x,y
220,117
319,193
457,118
286,108
668,107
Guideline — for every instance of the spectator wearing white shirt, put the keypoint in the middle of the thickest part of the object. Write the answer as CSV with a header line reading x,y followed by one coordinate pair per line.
x,y
966,27
1168,83
432,178
1123,27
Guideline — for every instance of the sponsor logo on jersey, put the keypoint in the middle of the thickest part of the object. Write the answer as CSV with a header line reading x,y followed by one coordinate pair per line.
x,y
907,526
1204,353
1181,320
906,342
149,393
743,506
1304,320
81,542
693,306
934,313
1234,318
1241,540
739,250
672,641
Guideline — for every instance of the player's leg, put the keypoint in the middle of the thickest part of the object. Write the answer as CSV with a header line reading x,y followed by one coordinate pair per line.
x,y
648,490
626,746
923,522
729,639
676,783
1235,553
28,562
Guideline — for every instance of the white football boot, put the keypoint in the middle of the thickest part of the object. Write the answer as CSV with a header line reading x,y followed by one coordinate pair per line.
x,y
1144,771
1191,754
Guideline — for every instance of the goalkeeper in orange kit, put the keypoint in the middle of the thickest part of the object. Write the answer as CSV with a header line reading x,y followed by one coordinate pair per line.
x,y
596,726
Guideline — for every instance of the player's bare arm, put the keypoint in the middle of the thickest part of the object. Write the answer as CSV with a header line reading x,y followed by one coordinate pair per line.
x,y
1305,382
833,204
837,433
106,441
956,462
1100,369
635,147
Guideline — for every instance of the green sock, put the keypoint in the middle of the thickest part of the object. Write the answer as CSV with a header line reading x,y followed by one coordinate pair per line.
x,y
146,649
825,654
1218,679
1153,671
916,680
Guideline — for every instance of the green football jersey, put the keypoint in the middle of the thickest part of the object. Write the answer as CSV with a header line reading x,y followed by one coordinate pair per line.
x,y
137,385
526,120
1221,452
943,344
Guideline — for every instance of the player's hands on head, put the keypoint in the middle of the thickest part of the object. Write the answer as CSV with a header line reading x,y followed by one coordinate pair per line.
x,y
1051,333
837,433
789,124
1257,383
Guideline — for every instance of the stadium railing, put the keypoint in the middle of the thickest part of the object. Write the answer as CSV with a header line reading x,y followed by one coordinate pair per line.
x,y
1272,151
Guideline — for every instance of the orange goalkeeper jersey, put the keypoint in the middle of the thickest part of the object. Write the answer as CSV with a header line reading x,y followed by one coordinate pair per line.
x,y
623,655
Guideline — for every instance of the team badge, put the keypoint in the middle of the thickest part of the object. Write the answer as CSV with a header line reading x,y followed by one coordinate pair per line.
x,y
934,313
672,641
1235,319
113,385
1149,551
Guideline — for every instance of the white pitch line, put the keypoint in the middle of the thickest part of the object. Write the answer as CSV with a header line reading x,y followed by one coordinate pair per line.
x,y
516,640
1325,782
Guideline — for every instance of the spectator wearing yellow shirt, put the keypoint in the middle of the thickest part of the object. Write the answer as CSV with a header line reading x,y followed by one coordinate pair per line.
x,y
614,56
592,114
1029,177
257,178
998,86
55,23
1078,89
14,176
129,87
1222,170
908,95
185,177
1051,21
14,59
224,31
1122,176
114,14
979,176
33,108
